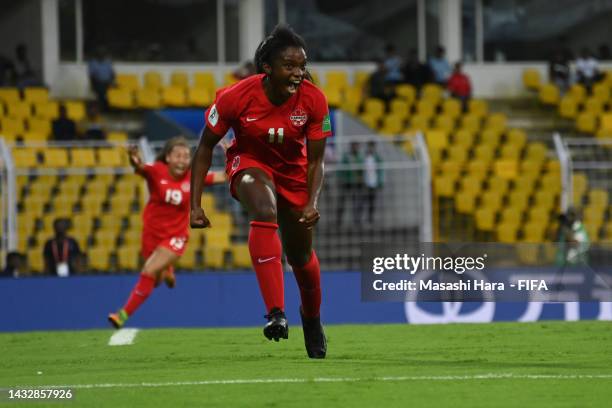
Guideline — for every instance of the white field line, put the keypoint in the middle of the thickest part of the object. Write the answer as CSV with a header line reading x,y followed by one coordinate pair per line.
x,y
477,377
123,337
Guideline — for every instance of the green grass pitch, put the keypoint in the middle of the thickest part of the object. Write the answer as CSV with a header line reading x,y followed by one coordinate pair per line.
x,y
553,364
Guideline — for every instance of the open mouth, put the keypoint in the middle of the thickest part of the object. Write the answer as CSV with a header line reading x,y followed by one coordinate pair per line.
x,y
293,86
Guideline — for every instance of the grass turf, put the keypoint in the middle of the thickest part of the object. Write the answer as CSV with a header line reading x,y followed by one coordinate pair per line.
x,y
366,352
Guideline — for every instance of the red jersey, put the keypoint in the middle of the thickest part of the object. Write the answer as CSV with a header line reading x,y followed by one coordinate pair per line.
x,y
166,214
459,84
270,134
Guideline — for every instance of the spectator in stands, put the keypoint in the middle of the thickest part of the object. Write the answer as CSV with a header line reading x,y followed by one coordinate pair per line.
x,y
61,252
64,128
574,244
15,265
559,70
459,85
393,65
93,127
7,71
24,73
377,85
587,69
439,66
415,72
372,181
101,76
350,179
245,70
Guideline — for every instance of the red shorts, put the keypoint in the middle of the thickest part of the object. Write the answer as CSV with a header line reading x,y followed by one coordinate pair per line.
x,y
290,193
175,244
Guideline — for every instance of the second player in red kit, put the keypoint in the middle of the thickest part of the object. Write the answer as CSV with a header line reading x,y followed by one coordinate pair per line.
x,y
275,168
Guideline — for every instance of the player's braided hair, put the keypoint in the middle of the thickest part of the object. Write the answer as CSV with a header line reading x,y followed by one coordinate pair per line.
x,y
171,144
281,37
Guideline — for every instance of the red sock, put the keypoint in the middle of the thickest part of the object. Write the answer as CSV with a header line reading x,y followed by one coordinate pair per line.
x,y
140,293
308,278
266,250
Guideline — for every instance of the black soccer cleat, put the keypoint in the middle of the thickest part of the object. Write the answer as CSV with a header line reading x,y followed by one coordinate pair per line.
x,y
277,327
314,336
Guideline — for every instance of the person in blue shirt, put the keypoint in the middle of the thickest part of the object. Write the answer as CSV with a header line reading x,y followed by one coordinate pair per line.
x,y
101,76
440,67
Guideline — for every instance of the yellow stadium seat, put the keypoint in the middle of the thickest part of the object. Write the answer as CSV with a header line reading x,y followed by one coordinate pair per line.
x,y
598,198
471,184
471,123
534,231
568,107
478,107
457,153
465,202
437,139
538,214
148,98
99,259
432,92
485,219
492,200
512,215
484,153
593,105
205,80
549,94
128,258
25,157
374,107
9,95
12,126
333,95
444,122
153,80
19,110
179,79
35,137
47,110
422,123
518,199
55,157
174,96
551,183
82,157
496,121
92,204
506,168
36,94
109,157
452,107
601,91
511,152
121,98
444,186
498,184
490,137
578,92
517,137
399,107
117,137
75,110
464,138
452,166
478,167
132,236
392,125
531,79
553,166
336,79
241,257
536,151
128,82
533,167
507,232
360,78
110,223
370,120
426,107
199,97
406,92
35,260
214,256
594,215
39,125
352,100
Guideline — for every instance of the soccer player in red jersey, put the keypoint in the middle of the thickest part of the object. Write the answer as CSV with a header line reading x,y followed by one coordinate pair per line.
x,y
275,168
165,221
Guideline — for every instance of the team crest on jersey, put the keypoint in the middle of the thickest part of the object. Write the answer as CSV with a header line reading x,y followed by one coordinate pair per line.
x,y
185,187
298,117
236,162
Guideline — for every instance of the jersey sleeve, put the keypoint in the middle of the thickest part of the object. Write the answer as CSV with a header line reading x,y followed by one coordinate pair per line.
x,y
319,125
220,115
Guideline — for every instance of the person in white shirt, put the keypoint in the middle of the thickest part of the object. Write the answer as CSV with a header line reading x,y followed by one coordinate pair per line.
x,y
372,179
587,69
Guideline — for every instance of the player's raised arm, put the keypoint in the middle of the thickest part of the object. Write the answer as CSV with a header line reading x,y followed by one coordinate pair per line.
x,y
200,165
135,160
316,153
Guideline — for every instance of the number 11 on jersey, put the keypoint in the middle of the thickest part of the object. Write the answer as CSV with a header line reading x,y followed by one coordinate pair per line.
x,y
273,133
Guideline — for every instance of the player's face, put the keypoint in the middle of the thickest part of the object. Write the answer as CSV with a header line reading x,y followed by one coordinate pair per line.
x,y
178,160
288,71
